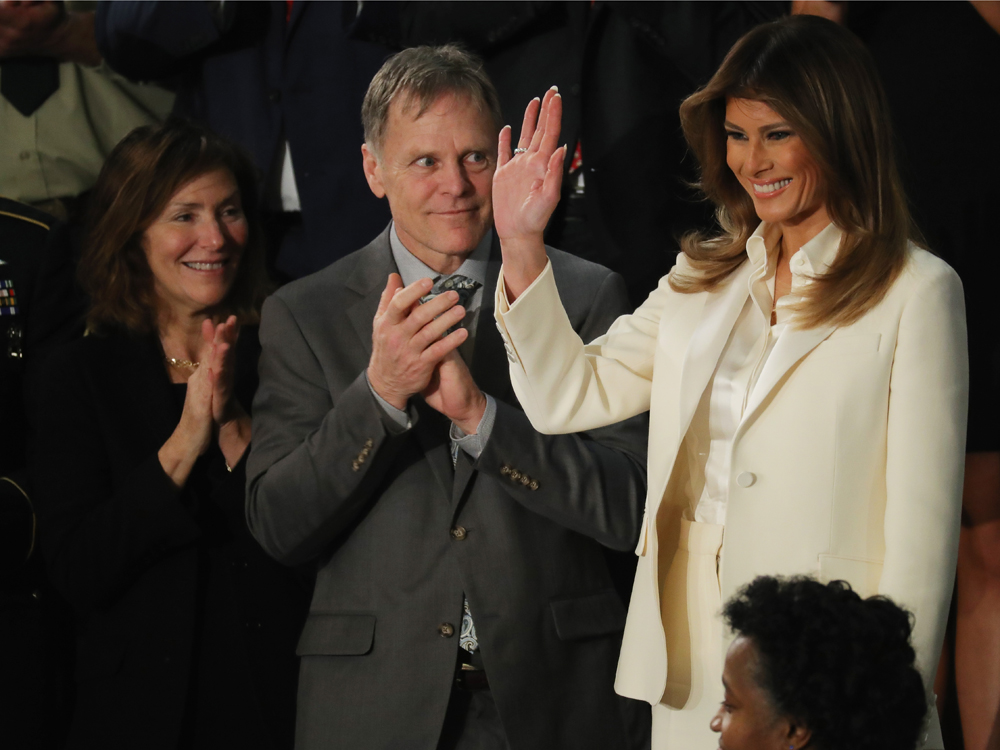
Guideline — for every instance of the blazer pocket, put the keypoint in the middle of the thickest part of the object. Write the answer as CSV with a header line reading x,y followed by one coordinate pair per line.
x,y
863,575
588,616
846,346
337,635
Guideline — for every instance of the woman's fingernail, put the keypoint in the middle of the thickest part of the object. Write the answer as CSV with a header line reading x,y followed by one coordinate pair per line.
x,y
556,89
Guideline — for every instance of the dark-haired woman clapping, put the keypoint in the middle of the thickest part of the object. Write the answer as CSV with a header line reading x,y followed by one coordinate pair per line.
x,y
185,629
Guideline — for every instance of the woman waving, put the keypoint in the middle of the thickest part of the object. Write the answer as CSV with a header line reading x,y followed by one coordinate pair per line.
x,y
805,368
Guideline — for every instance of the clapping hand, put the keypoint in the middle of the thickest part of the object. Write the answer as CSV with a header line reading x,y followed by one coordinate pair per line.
x,y
193,433
230,419
526,189
454,393
220,340
408,338
209,406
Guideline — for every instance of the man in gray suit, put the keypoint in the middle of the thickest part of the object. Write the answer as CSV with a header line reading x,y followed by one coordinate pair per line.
x,y
463,596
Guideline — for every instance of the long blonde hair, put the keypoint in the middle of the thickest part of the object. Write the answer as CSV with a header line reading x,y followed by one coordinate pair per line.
x,y
820,78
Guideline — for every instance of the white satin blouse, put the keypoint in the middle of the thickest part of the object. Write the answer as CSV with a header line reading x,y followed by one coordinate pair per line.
x,y
722,407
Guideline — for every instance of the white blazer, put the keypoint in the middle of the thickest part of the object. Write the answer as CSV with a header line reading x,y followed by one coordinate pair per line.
x,y
852,450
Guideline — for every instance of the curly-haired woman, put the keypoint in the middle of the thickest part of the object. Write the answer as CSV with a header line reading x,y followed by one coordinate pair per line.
x,y
817,666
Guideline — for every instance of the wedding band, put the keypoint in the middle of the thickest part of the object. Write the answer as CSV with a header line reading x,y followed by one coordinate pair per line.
x,y
520,151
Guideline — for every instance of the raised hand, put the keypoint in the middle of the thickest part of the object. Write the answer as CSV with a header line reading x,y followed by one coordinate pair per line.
x,y
407,341
526,184
526,189
454,393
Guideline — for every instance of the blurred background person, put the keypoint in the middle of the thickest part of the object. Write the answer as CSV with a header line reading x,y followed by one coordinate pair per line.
x,y
816,666
61,112
284,80
35,652
62,109
805,370
185,629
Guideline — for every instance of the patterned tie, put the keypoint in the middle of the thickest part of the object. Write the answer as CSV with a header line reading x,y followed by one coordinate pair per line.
x,y
466,288
467,638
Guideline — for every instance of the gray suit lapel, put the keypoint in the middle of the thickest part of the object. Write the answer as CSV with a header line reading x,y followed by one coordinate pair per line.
x,y
368,280
489,360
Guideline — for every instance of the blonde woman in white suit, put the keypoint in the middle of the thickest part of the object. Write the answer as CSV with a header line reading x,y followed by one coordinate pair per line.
x,y
805,369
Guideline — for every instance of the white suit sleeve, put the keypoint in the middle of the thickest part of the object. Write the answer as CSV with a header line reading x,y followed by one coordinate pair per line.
x,y
563,384
928,404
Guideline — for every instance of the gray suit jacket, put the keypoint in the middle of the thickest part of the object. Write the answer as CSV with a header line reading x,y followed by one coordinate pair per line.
x,y
378,508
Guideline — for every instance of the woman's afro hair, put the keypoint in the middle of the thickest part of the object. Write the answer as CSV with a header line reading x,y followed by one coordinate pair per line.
x,y
841,665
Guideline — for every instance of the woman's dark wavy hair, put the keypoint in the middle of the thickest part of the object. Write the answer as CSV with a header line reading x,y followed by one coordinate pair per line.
x,y
840,665
139,177
822,80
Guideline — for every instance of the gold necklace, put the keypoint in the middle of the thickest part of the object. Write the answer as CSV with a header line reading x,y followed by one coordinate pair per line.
x,y
187,364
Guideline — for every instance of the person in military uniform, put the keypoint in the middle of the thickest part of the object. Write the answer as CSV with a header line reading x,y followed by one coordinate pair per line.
x,y
36,283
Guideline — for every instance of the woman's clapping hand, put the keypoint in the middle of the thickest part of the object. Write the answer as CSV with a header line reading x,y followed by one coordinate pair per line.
x,y
209,406
221,342
231,420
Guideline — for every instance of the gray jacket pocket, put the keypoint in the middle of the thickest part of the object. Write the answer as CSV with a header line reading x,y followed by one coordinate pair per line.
x,y
588,616
337,635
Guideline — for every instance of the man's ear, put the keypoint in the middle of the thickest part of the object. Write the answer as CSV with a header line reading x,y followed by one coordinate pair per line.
x,y
372,171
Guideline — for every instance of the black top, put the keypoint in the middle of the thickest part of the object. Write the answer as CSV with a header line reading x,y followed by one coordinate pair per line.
x,y
185,629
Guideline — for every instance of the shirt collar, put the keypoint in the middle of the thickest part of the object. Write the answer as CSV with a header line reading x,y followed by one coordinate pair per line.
x,y
816,256
812,259
762,246
411,268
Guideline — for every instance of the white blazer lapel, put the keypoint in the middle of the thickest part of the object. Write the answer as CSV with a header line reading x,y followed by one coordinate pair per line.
x,y
793,345
722,309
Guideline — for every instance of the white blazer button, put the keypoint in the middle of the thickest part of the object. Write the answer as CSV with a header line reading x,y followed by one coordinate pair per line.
x,y
746,479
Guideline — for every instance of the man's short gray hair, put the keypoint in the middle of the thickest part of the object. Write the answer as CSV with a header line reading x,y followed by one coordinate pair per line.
x,y
422,75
